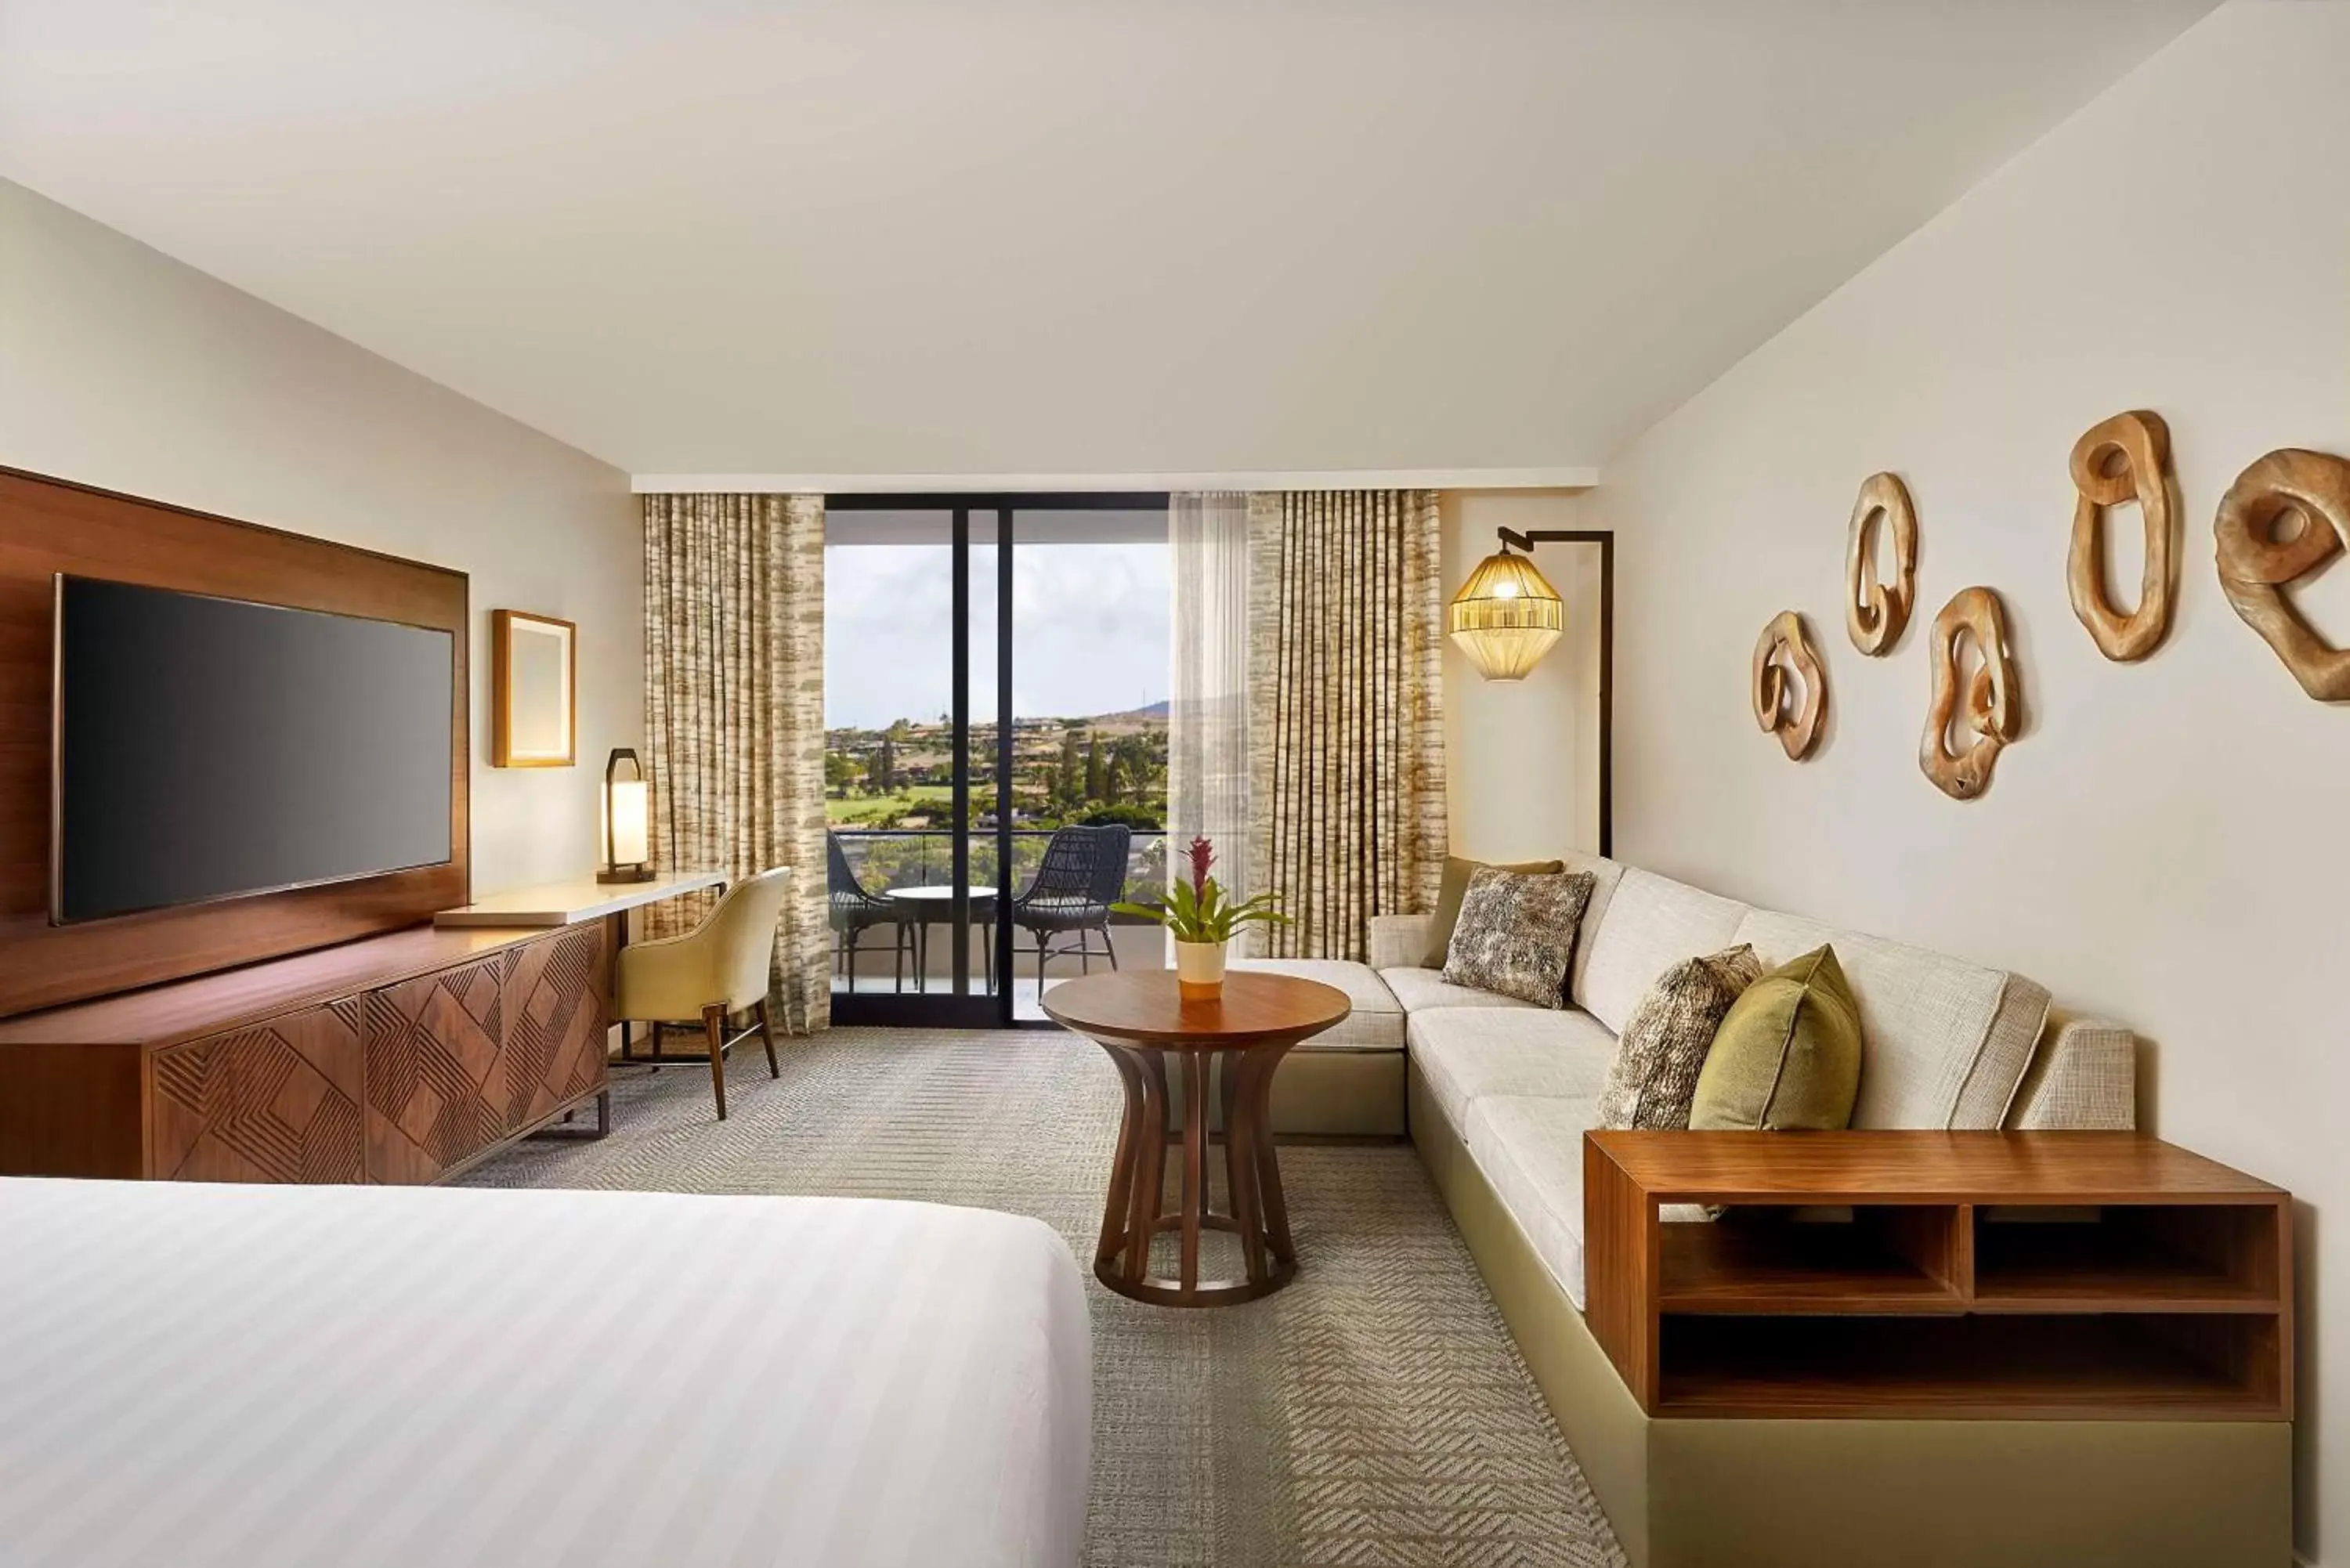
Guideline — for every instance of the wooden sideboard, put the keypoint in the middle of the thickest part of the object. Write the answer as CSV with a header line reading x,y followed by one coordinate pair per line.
x,y
399,1058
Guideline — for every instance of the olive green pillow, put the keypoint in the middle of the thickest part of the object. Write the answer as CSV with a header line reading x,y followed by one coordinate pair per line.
x,y
1457,873
1787,1055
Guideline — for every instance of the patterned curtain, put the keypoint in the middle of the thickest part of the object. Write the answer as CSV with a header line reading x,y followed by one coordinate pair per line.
x,y
1346,713
734,714
1207,712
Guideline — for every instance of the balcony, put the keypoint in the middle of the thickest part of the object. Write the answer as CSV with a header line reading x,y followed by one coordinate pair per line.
x,y
885,859
888,857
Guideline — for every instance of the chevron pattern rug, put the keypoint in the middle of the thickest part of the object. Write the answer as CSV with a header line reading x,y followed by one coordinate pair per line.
x,y
1375,1412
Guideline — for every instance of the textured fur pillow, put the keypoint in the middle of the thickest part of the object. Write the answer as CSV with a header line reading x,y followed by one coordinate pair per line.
x,y
1663,1047
1516,933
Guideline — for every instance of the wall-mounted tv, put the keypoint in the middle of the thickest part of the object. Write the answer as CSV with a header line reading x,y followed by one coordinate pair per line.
x,y
208,748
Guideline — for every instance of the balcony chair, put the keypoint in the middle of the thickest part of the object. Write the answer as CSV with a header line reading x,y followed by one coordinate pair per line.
x,y
854,912
1083,874
720,967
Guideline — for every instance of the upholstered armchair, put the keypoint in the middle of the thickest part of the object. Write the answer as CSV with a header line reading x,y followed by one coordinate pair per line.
x,y
720,967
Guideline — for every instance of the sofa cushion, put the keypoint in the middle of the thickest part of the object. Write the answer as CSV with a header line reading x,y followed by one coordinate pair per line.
x,y
1787,1056
1605,875
1516,933
1455,887
1425,990
1374,1025
1467,1053
1945,1041
1653,1077
1650,924
1531,1152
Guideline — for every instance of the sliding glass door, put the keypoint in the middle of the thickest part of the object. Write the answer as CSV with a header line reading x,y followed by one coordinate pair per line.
x,y
994,673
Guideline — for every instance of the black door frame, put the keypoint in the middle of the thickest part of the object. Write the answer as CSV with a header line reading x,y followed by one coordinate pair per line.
x,y
959,1009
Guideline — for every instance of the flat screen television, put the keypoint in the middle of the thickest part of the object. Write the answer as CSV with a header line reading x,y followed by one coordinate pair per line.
x,y
211,748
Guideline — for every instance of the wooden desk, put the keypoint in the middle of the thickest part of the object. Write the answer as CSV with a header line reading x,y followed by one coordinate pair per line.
x,y
571,902
577,902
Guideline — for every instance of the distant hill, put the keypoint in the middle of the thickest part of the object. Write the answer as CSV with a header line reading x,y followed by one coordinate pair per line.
x,y
1156,713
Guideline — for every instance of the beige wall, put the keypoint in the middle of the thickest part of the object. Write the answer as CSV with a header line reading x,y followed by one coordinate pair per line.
x,y
123,368
1522,757
2169,843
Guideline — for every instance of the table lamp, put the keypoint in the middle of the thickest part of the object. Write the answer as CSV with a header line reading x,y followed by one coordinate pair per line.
x,y
628,821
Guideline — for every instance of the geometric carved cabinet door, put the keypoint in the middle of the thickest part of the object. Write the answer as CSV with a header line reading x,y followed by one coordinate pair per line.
x,y
436,1091
276,1102
557,1012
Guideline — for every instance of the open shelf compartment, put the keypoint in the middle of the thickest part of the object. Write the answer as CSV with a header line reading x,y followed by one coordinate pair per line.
x,y
1993,1367
2129,1258
1888,1258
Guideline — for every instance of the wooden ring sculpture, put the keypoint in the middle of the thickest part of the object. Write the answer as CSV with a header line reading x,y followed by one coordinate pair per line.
x,y
2144,442
2255,564
1875,613
1799,731
1993,712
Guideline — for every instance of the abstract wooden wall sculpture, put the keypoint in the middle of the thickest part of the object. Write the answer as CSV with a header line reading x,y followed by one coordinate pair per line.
x,y
2142,443
2255,563
1992,709
1875,613
1786,646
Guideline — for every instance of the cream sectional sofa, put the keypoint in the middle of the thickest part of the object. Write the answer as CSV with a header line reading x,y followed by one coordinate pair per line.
x,y
1497,1095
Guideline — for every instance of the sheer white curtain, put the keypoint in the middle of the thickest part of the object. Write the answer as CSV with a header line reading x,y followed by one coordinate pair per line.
x,y
1208,707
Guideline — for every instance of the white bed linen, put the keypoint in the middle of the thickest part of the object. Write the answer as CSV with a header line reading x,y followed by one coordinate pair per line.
x,y
213,1377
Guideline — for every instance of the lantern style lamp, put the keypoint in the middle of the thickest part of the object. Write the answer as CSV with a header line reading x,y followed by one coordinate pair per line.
x,y
627,825
1506,615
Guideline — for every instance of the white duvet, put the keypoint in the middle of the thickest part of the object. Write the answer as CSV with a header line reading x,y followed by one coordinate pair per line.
x,y
213,1376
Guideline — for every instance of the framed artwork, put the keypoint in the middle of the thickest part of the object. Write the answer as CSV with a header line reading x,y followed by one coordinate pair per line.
x,y
534,660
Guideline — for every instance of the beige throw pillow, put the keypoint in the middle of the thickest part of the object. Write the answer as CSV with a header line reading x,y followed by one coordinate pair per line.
x,y
1516,934
1662,1049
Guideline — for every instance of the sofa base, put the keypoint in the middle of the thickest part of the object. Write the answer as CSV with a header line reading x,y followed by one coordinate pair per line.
x,y
1860,1493
1327,1094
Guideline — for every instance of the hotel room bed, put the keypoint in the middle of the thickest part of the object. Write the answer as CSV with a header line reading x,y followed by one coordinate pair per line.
x,y
283,1377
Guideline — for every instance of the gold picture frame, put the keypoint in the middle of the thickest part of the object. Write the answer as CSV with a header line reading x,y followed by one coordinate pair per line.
x,y
533,690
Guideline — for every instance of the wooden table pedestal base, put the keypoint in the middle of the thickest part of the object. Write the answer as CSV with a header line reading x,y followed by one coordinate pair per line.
x,y
1254,1209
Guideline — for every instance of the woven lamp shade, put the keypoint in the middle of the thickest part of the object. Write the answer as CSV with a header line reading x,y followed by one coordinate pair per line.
x,y
1505,617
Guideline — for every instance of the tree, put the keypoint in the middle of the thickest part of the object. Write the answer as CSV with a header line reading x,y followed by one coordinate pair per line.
x,y
1116,784
840,770
881,768
1071,774
1096,780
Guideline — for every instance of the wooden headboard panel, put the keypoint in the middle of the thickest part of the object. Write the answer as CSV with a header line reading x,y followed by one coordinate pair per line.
x,y
47,526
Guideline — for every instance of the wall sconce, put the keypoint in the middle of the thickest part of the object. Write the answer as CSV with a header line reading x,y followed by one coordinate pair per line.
x,y
628,821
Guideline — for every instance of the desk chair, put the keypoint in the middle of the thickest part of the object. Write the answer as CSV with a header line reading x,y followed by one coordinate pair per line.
x,y
720,966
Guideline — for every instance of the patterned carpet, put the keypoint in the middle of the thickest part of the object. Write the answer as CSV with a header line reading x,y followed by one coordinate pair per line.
x,y
1373,1413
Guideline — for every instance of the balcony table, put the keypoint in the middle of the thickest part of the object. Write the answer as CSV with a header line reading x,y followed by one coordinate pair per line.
x,y
927,905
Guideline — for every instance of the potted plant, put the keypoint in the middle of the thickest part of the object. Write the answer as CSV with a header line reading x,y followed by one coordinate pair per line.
x,y
1202,920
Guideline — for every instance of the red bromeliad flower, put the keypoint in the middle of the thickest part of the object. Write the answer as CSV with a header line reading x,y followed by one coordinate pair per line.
x,y
1202,855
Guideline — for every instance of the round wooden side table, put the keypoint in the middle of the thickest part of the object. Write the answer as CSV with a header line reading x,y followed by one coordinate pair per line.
x,y
1236,1040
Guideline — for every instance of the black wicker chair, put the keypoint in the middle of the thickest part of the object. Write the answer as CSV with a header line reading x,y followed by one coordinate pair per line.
x,y
1083,874
855,911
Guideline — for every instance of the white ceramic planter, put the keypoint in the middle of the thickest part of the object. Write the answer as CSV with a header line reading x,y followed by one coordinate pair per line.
x,y
1199,969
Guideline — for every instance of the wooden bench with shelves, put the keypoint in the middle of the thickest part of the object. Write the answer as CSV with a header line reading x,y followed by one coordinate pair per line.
x,y
2058,1275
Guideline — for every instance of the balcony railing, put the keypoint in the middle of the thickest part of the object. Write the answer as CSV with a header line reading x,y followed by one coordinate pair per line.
x,y
886,857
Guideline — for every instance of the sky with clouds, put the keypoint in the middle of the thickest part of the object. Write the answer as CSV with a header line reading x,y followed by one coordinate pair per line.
x,y
1090,631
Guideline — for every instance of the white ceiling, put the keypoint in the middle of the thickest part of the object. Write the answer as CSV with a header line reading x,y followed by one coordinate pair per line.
x,y
1035,237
